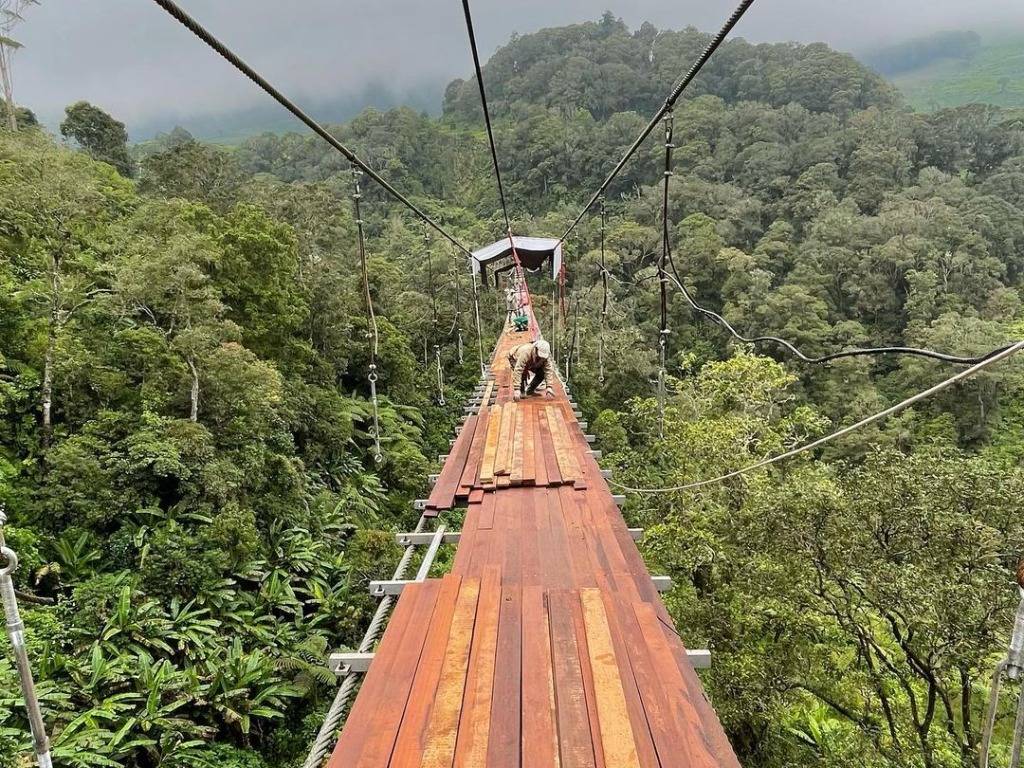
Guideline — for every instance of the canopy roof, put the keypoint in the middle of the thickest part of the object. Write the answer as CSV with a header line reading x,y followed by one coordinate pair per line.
x,y
533,252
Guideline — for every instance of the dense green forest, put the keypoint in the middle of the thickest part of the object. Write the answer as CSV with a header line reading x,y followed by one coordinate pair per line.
x,y
186,455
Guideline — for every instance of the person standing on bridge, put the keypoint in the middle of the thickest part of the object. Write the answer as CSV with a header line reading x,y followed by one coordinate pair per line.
x,y
532,359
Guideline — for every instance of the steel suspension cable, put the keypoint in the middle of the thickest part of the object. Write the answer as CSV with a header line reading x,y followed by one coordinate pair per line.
x,y
665,108
855,352
16,633
232,58
955,379
490,130
604,297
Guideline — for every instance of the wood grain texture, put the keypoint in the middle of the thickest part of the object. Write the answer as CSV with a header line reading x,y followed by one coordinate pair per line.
x,y
443,725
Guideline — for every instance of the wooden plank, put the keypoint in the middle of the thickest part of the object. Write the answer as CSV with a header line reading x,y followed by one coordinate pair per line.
x,y
539,734
443,725
548,449
476,496
487,506
490,446
575,744
669,739
397,676
443,494
503,459
475,724
567,466
476,451
681,699
529,449
503,749
408,750
355,741
518,441
588,679
540,472
617,739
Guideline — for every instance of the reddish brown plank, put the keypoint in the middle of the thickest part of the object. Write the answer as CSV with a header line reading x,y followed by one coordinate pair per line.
x,y
503,749
575,743
443,725
487,506
475,725
490,446
408,750
443,494
681,699
357,740
539,733
548,449
617,739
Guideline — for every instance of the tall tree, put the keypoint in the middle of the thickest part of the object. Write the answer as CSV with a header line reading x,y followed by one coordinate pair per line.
x,y
103,137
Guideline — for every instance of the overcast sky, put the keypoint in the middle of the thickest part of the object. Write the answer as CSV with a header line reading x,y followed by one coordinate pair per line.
x,y
131,58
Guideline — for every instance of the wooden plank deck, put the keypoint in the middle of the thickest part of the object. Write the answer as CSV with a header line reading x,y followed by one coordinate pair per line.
x,y
547,645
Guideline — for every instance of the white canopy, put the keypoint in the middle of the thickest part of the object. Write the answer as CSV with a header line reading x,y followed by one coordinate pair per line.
x,y
532,251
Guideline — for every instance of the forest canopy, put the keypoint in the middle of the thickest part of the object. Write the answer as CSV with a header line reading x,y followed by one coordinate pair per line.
x,y
186,457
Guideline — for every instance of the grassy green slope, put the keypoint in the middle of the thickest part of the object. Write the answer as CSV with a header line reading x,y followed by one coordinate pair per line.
x,y
994,76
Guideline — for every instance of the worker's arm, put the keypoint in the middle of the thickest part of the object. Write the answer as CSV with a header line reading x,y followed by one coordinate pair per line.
x,y
522,357
550,377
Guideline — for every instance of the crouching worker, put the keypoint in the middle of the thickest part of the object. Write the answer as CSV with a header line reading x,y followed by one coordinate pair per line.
x,y
532,359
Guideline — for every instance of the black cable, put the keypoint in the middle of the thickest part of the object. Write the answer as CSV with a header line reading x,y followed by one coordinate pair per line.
x,y
487,122
683,83
856,352
203,34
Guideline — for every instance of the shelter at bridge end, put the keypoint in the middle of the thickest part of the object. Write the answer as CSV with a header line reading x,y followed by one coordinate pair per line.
x,y
532,252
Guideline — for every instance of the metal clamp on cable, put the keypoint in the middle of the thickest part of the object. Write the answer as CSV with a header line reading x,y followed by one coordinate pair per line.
x,y
16,632
9,558
378,455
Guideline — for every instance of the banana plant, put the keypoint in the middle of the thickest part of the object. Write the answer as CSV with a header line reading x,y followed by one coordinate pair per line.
x,y
245,687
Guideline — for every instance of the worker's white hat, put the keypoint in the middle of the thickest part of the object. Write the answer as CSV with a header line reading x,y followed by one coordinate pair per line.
x,y
543,349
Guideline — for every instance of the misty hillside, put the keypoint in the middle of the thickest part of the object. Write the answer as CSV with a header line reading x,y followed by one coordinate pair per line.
x,y
605,68
950,69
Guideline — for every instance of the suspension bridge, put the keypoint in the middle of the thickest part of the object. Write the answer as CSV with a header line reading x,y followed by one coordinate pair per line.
x,y
547,643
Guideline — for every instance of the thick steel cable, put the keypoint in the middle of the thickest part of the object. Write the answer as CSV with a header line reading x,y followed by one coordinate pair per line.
x,y
490,130
327,733
16,633
955,379
604,297
665,108
856,352
232,58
